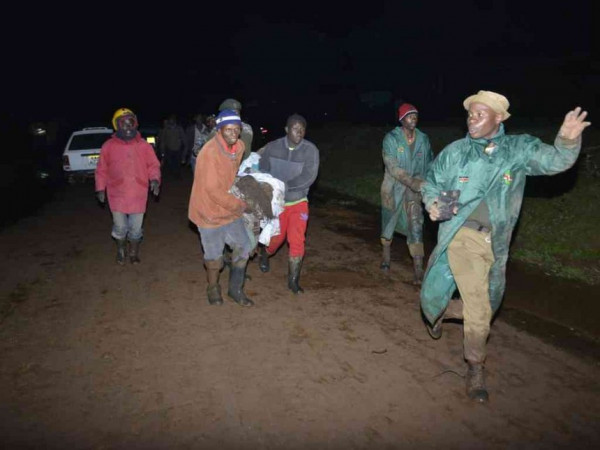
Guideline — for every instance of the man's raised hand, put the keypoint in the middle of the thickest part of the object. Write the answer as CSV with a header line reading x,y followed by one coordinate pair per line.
x,y
574,124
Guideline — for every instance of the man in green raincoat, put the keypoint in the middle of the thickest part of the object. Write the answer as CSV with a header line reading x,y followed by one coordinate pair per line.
x,y
489,168
406,155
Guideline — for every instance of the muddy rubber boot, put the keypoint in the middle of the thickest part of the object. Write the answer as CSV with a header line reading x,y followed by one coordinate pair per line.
x,y
237,277
387,247
121,251
213,290
418,270
294,267
263,260
134,251
476,389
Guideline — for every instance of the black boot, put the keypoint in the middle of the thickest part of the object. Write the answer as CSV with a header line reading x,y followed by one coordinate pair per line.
x,y
121,251
237,277
294,266
213,291
134,251
418,270
263,261
476,389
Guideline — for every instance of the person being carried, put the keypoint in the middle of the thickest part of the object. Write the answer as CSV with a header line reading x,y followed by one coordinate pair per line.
x,y
218,213
406,156
126,169
489,169
295,161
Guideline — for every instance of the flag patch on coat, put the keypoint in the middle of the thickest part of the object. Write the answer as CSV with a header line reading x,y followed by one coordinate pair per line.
x,y
507,177
463,179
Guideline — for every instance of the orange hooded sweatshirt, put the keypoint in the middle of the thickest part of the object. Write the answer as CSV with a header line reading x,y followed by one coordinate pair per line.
x,y
211,203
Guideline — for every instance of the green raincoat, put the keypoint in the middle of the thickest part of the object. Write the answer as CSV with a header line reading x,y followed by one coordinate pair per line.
x,y
402,168
500,180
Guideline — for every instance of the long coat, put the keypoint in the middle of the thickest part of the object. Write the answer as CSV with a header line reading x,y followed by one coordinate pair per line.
x,y
124,170
500,180
401,166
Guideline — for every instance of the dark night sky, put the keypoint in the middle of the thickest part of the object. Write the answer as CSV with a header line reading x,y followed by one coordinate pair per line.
x,y
297,57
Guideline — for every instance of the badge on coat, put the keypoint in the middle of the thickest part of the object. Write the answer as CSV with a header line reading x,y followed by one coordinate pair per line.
x,y
400,149
507,177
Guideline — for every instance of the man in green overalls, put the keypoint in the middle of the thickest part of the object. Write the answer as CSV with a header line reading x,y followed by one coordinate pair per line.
x,y
489,167
406,155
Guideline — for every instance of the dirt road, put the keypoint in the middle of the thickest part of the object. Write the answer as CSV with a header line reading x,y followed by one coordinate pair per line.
x,y
98,356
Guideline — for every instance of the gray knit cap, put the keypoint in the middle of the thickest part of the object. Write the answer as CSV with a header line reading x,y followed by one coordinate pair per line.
x,y
230,103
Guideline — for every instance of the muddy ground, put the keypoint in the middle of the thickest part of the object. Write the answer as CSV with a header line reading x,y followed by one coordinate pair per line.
x,y
97,356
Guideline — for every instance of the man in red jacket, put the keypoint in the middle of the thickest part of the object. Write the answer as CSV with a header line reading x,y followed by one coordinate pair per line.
x,y
126,168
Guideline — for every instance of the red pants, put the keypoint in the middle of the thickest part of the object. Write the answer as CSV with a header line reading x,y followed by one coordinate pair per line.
x,y
292,221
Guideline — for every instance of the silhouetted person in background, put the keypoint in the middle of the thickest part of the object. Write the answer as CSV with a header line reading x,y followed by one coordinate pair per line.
x,y
196,135
171,144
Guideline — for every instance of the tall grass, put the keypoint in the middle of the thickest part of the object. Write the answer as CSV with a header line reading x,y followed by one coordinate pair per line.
x,y
557,230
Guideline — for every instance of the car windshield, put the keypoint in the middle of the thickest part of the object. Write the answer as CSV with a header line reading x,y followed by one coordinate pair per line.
x,y
88,141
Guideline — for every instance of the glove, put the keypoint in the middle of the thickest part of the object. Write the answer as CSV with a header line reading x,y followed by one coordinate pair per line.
x,y
447,202
101,196
155,187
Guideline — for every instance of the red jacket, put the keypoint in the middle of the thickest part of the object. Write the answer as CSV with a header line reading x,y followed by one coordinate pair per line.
x,y
211,203
124,170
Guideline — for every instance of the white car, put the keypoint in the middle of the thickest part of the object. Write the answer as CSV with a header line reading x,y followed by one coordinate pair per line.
x,y
82,151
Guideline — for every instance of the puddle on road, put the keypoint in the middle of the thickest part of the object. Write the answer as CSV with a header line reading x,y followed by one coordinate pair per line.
x,y
559,311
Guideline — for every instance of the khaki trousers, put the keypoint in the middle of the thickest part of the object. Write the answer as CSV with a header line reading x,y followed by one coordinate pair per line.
x,y
470,257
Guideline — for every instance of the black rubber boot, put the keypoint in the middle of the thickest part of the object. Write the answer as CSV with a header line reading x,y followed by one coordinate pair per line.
x,y
418,270
227,256
476,389
237,277
294,267
121,251
134,251
263,261
213,291
385,262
